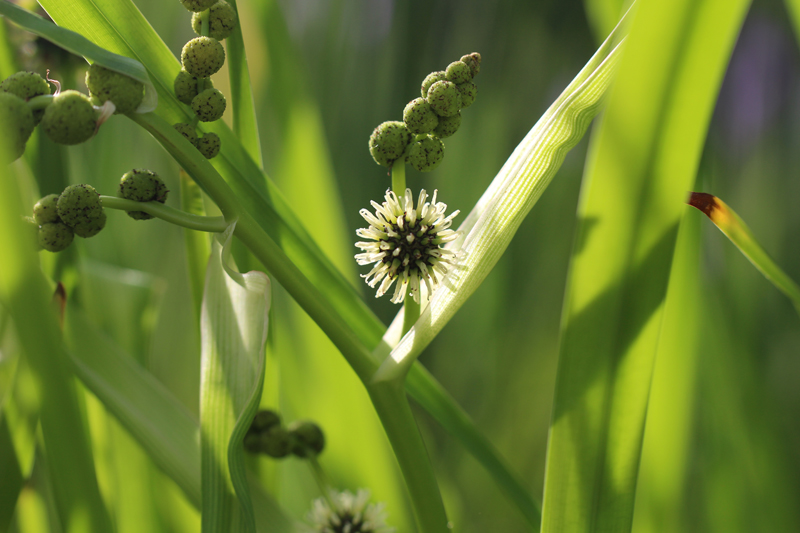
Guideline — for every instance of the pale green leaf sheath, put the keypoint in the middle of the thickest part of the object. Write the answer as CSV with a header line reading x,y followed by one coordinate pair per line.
x,y
519,184
234,332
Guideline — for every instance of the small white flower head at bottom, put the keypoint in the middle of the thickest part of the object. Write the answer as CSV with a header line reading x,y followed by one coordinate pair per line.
x,y
353,514
406,244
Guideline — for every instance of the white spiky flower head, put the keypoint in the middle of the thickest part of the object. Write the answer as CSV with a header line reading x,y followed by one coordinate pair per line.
x,y
353,513
406,244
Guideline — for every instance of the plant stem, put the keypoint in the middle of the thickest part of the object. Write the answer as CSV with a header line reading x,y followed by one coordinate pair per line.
x,y
169,214
399,177
40,102
412,308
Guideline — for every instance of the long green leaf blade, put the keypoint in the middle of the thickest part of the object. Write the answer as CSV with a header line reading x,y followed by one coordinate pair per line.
x,y
630,207
742,237
79,45
234,330
27,297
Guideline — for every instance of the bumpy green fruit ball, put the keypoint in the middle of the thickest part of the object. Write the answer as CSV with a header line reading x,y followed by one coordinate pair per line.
x,y
197,5
468,91
308,438
447,126
432,78
105,84
458,72
55,236
187,130
275,442
17,122
202,56
26,85
426,155
90,227
46,209
186,86
209,145
221,21
79,204
419,117
265,419
444,98
70,118
141,185
474,62
209,105
388,142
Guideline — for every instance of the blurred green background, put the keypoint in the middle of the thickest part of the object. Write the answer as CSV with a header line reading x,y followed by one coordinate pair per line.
x,y
324,74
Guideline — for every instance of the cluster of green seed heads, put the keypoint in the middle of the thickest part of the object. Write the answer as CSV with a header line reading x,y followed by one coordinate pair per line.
x,y
200,58
267,435
427,120
78,210
59,217
66,117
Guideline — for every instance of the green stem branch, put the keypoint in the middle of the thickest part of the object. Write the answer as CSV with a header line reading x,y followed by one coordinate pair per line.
x,y
169,214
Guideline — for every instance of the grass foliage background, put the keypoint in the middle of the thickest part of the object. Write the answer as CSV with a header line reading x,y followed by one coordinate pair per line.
x,y
324,74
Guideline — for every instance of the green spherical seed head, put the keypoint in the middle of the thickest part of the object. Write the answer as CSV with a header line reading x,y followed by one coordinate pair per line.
x,y
209,105
197,5
264,420
388,142
70,118
209,145
46,209
55,236
202,56
18,123
444,98
275,442
308,438
79,204
448,126
187,130
458,72
105,84
419,117
468,91
425,155
186,86
26,85
474,62
430,79
221,21
141,185
90,226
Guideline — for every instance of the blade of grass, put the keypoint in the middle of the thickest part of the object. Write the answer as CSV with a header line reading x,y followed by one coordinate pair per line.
x,y
629,211
79,45
740,235
164,428
27,297
661,487
244,114
234,332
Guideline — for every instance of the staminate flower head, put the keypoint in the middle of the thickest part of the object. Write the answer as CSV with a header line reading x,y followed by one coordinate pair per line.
x,y
353,514
406,244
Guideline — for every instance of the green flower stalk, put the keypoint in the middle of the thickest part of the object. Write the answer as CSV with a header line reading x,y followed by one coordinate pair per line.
x,y
406,244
